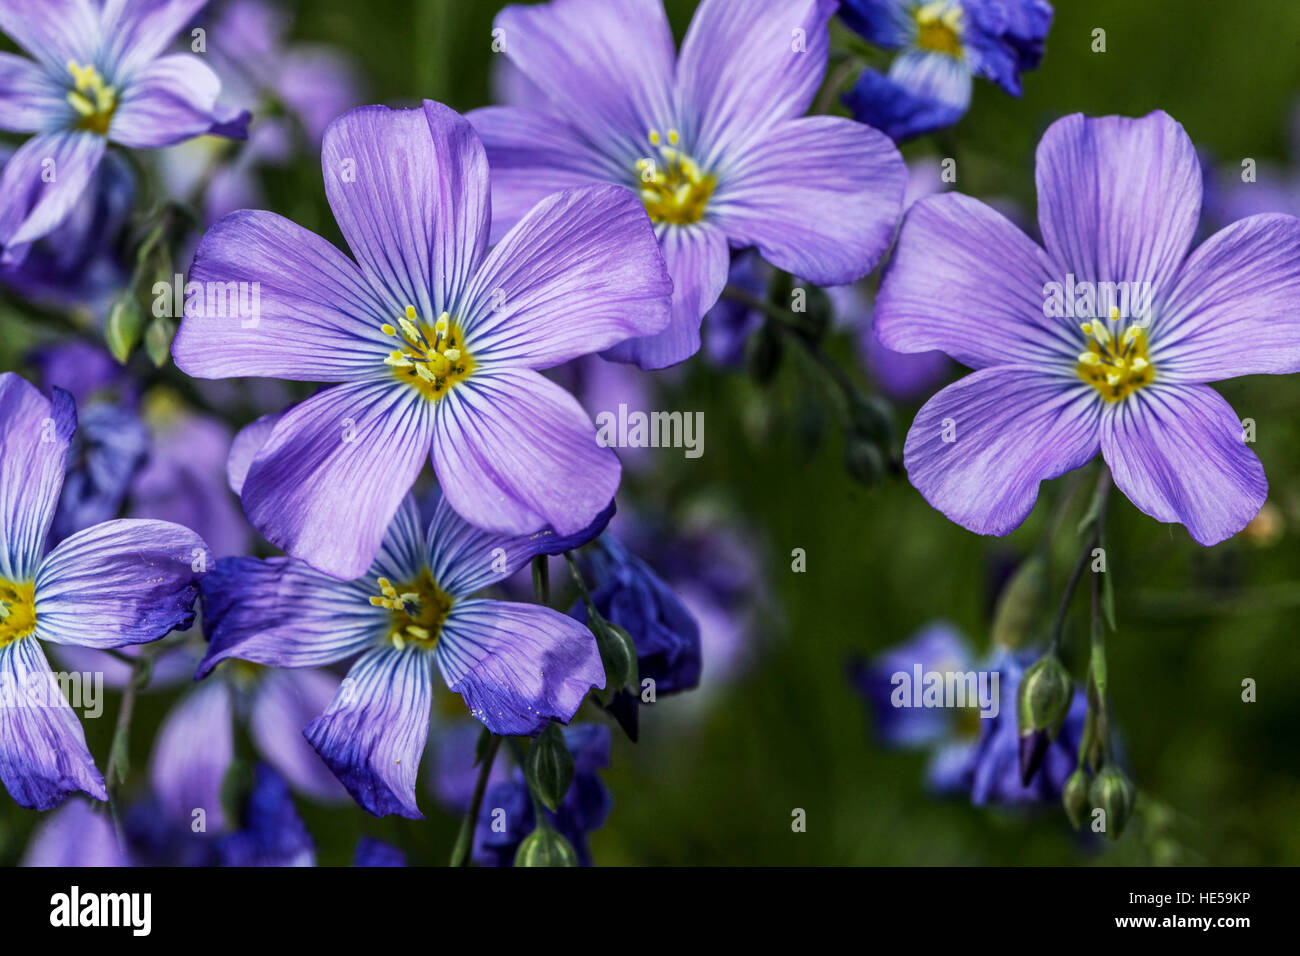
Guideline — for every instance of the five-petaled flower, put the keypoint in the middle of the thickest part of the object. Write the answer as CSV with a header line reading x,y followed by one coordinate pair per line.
x,y
518,666
1122,367
714,143
116,583
97,74
436,340
943,45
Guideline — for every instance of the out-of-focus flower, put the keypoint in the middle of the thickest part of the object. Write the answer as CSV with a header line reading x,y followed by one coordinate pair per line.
x,y
117,583
97,74
270,831
943,45
1104,340
76,834
507,814
81,264
518,666
436,341
372,852
713,141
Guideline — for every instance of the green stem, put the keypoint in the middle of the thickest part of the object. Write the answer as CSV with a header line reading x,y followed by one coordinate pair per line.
x,y
119,747
581,585
542,579
465,838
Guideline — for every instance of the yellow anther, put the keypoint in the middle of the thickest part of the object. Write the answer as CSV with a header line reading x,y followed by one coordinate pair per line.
x,y
1115,369
1089,358
442,324
397,360
416,631
422,370
654,139
409,597
1139,364
411,313
397,641
1114,313
453,355
387,329
674,137
378,601
418,614
410,331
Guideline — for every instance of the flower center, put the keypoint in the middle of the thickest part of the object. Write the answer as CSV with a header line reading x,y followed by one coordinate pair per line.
x,y
673,187
419,610
939,27
17,611
1115,365
429,359
93,99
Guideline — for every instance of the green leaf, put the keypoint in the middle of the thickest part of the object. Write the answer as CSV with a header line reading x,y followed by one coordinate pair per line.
x,y
122,330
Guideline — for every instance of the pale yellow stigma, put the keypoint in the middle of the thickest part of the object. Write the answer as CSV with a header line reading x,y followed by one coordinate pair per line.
x,y
939,27
672,186
432,360
93,99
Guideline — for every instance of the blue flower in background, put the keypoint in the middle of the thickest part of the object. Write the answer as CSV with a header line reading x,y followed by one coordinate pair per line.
x,y
97,74
271,833
372,852
583,809
518,666
943,45
971,755
114,584
76,834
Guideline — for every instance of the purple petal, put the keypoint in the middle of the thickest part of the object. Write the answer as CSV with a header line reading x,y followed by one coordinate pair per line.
x,y
285,704
247,443
516,453
41,184
820,198
965,281
698,260
1177,452
301,309
30,100
534,154
317,84
76,834
344,458
52,31
246,615
518,666
605,65
138,30
1010,428
34,437
581,272
464,558
373,734
194,749
372,853
171,100
409,189
1235,309
43,755
1118,199
740,72
120,582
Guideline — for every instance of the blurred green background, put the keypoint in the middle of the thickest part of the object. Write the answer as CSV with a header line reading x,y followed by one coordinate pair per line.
x,y
714,781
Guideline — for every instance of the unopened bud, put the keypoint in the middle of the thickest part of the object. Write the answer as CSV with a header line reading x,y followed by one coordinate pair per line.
x,y
1114,793
1042,703
545,847
1075,798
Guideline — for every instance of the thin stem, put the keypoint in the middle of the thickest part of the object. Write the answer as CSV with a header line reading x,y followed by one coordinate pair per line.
x,y
119,747
581,584
542,579
465,838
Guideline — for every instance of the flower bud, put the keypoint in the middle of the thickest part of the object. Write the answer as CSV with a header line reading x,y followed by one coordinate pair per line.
x,y
1075,797
863,460
545,847
1113,792
1043,702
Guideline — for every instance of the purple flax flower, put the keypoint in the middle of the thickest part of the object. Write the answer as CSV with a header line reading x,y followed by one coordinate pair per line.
x,y
96,74
1103,340
714,142
943,45
117,583
518,666
436,341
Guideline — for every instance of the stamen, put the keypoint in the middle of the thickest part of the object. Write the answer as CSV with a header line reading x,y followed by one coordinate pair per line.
x,y
418,612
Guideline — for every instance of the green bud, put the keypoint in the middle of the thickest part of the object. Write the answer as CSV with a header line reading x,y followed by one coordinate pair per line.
x,y
122,330
863,460
872,417
617,654
1019,605
1113,792
763,354
548,768
1075,798
545,847
158,340
1041,706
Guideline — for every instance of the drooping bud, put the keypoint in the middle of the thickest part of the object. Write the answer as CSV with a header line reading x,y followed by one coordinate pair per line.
x,y
122,330
548,767
1041,706
617,654
1114,793
545,847
1075,797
